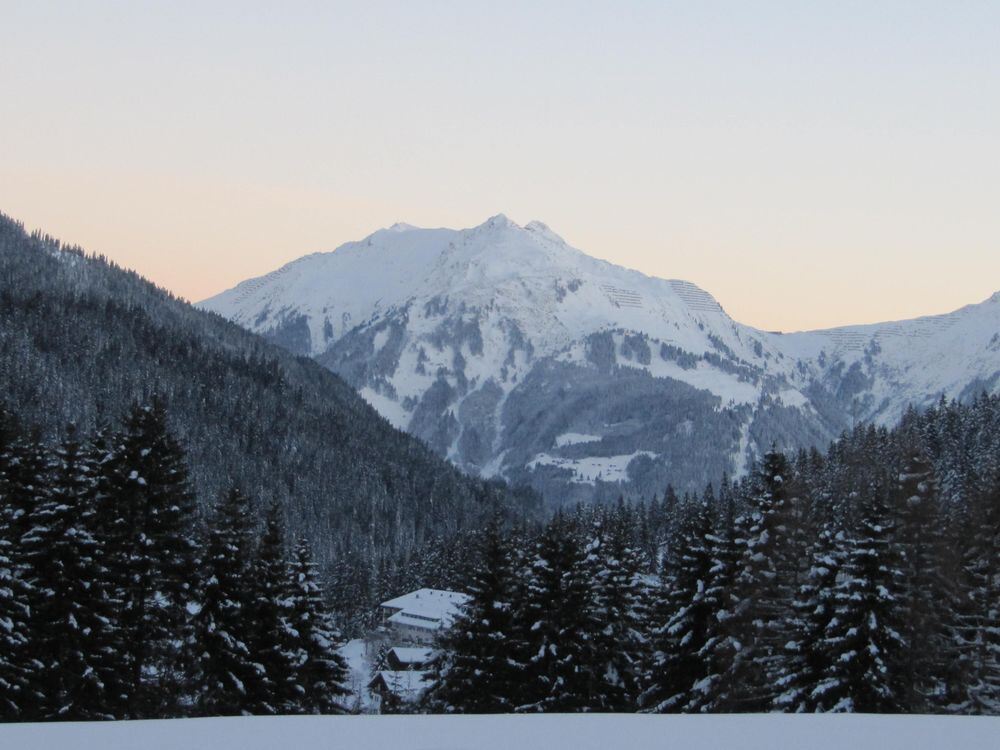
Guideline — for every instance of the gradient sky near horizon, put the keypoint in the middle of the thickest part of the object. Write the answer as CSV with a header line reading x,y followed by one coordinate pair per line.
x,y
810,164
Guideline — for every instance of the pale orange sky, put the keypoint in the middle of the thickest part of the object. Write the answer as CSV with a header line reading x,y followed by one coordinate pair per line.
x,y
808,165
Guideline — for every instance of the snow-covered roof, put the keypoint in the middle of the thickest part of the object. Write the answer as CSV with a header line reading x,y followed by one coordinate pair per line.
x,y
407,683
427,605
410,655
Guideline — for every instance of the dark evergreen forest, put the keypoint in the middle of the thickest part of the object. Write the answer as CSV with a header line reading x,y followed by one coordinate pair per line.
x,y
864,579
81,340
117,600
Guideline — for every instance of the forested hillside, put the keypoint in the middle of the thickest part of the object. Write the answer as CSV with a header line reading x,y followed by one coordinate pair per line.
x,y
865,579
81,340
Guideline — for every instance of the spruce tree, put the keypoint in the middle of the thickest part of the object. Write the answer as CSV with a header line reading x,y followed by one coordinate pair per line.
x,y
619,600
70,614
107,526
320,671
154,555
475,672
718,690
927,597
14,624
27,485
762,614
557,620
15,593
806,654
229,680
273,640
864,646
684,614
978,616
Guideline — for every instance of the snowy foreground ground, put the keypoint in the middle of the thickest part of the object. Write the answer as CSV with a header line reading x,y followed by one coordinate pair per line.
x,y
517,732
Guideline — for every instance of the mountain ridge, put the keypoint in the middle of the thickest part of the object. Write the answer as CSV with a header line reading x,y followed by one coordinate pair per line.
x,y
454,336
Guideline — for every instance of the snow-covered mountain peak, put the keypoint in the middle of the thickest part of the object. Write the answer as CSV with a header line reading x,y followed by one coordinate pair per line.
x,y
543,230
513,353
498,221
552,292
401,226
531,233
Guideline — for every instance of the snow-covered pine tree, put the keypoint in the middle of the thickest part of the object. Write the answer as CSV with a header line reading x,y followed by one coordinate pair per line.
x,y
645,528
806,655
557,620
863,642
70,611
475,670
154,552
683,614
351,585
668,517
28,488
619,598
15,594
108,527
321,672
272,642
978,626
927,596
14,628
228,678
802,524
718,690
763,586
384,579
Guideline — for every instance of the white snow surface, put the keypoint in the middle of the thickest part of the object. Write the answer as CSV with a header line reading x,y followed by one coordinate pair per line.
x,y
590,469
359,665
548,732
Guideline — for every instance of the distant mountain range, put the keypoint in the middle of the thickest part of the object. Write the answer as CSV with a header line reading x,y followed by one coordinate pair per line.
x,y
81,340
515,355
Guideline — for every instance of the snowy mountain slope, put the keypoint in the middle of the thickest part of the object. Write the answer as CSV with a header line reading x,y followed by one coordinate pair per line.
x,y
514,354
908,362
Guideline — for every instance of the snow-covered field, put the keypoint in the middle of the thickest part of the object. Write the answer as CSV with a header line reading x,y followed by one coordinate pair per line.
x,y
360,673
588,470
594,732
